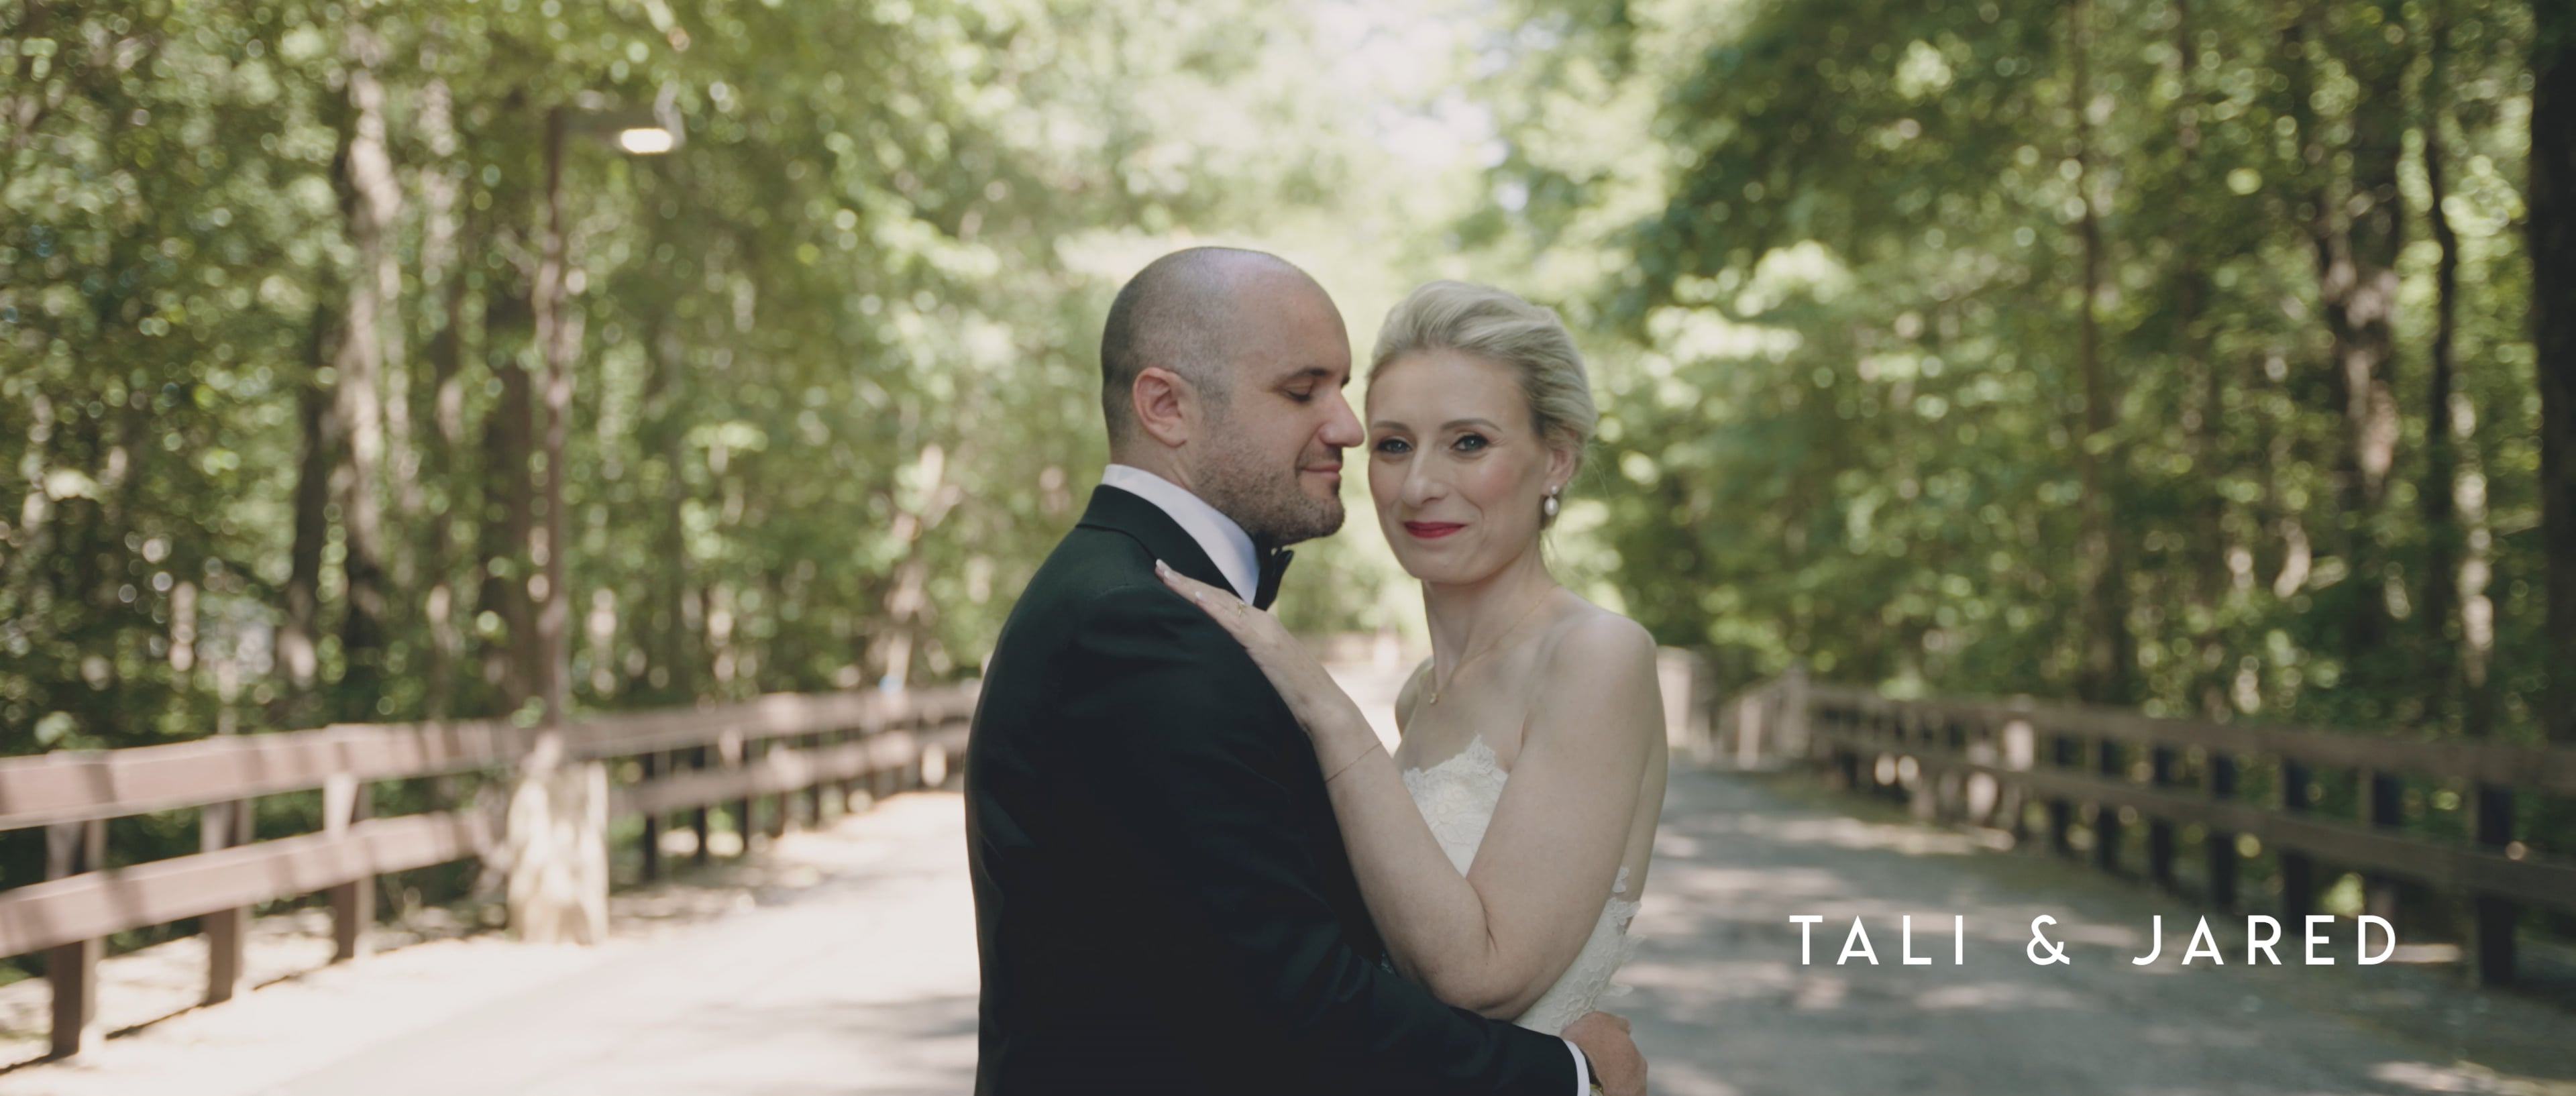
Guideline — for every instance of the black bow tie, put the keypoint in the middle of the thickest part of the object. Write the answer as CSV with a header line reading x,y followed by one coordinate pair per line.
x,y
1266,590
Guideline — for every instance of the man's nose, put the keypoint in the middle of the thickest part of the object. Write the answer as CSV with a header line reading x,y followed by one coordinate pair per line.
x,y
1341,426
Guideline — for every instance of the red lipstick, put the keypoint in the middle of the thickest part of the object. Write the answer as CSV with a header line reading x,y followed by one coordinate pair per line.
x,y
1432,530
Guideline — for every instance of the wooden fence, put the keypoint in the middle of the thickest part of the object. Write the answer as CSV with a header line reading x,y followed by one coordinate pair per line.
x,y
1981,762
687,760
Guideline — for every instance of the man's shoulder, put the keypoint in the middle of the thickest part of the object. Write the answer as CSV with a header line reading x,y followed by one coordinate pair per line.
x,y
1094,576
1089,566
1096,627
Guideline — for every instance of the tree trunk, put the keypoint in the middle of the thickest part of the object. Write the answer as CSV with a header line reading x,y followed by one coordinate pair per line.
x,y
2443,633
2354,227
509,508
2551,239
675,652
554,601
443,435
298,656
2108,662
370,199
2204,397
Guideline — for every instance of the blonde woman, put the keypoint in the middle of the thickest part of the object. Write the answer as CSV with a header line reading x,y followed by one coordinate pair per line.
x,y
1503,847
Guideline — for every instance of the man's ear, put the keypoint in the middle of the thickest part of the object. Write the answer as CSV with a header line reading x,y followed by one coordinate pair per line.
x,y
1160,401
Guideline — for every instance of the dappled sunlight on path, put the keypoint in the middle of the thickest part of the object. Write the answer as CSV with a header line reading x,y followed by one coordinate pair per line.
x,y
839,961
842,962
1722,1004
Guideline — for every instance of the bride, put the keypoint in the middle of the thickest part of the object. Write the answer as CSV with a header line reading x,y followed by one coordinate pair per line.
x,y
1503,847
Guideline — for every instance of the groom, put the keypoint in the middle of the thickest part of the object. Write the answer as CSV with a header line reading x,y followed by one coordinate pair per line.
x,y
1162,900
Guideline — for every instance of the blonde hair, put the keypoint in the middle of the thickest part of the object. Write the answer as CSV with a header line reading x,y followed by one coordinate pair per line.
x,y
1499,327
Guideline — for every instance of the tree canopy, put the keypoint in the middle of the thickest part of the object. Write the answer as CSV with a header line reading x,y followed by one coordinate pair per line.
x,y
2186,355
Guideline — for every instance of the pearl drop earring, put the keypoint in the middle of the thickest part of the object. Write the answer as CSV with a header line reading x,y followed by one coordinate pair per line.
x,y
1548,506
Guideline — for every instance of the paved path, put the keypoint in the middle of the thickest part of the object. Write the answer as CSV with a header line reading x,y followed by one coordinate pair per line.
x,y
839,961
862,980
1723,1006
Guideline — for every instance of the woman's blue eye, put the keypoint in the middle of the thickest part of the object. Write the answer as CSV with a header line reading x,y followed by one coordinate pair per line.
x,y
1394,446
1470,442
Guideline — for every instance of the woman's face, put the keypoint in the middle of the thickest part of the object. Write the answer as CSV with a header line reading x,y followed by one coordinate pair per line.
x,y
1455,467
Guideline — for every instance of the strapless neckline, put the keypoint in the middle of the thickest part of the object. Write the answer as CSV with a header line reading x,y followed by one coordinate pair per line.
x,y
1457,797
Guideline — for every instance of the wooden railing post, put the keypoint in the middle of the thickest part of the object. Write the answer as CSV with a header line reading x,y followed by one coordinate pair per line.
x,y
847,789
698,815
2061,810
1797,711
2017,748
1835,753
2493,917
73,848
222,826
814,791
2218,846
779,803
2298,870
2160,830
557,846
2381,808
1913,732
652,840
739,753
346,802
2109,761
910,773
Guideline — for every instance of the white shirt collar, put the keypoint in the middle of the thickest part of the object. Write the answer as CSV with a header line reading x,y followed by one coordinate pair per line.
x,y
1218,535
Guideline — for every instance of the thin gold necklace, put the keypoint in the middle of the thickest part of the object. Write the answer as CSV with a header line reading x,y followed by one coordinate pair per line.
x,y
1506,633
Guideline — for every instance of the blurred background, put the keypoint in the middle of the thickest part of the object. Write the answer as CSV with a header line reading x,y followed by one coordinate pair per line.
x,y
364,361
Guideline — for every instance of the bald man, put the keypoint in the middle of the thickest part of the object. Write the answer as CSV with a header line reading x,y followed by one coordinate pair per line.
x,y
1162,899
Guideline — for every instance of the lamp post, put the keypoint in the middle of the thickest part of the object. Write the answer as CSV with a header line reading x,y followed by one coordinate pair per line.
x,y
638,132
556,846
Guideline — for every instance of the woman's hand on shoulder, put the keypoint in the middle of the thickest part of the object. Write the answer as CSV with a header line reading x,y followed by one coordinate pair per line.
x,y
1301,680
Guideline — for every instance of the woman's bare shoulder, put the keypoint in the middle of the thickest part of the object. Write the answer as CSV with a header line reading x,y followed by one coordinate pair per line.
x,y
1591,639
1600,655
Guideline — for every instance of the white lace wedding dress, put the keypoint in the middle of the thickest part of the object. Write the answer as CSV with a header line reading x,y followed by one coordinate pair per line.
x,y
1457,797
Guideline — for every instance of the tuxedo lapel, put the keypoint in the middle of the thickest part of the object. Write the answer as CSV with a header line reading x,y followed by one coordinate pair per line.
x,y
1129,514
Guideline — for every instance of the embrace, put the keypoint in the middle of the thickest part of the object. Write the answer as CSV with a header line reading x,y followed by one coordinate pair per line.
x,y
1197,870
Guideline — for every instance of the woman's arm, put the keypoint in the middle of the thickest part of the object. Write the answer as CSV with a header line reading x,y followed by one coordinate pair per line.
x,y
1496,938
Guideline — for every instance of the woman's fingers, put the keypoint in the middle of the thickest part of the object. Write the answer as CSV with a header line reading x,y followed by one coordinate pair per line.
x,y
1223,605
1189,587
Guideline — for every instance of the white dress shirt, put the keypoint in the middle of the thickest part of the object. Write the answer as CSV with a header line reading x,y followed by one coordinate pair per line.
x,y
1226,543
1218,535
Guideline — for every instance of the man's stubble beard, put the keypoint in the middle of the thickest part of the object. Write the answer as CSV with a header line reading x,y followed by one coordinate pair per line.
x,y
1272,508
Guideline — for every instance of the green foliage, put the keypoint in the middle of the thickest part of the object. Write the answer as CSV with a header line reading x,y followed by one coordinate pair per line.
x,y
1844,396
833,386
791,334
834,392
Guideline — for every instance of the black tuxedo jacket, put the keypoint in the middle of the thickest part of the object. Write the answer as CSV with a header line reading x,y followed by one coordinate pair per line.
x,y
1162,900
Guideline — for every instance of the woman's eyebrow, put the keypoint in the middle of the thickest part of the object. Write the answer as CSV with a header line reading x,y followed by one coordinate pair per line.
x,y
1453,424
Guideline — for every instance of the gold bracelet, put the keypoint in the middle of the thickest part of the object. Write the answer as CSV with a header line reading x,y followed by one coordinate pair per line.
x,y
1346,766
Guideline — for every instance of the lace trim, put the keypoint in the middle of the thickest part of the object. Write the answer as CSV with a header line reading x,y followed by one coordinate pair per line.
x,y
1478,757
1457,798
